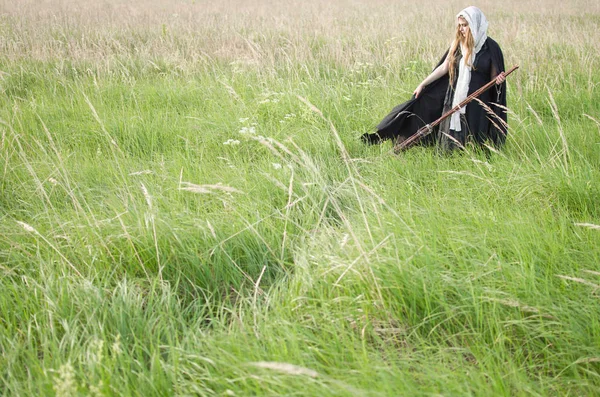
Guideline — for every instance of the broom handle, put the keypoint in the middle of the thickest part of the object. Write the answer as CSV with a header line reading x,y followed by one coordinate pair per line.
x,y
424,131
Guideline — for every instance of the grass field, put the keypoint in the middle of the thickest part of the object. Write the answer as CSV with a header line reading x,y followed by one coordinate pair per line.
x,y
186,208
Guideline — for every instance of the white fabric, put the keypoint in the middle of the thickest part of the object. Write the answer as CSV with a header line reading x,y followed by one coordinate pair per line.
x,y
478,25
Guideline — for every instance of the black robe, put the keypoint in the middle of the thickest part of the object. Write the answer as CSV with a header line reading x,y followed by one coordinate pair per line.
x,y
405,119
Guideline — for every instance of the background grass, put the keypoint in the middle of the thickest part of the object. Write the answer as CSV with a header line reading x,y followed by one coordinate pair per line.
x,y
186,209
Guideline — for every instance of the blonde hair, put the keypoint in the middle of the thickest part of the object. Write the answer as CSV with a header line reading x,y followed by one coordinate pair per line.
x,y
468,42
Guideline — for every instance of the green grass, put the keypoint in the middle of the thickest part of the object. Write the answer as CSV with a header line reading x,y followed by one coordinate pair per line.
x,y
372,274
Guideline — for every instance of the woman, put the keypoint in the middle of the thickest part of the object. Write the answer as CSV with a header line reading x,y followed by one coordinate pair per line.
x,y
472,61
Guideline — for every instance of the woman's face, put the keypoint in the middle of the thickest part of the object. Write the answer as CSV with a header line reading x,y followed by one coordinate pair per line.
x,y
463,26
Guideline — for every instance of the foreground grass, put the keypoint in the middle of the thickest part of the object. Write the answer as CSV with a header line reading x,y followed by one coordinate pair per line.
x,y
218,229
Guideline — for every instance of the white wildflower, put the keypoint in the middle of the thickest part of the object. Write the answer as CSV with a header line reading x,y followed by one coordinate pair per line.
x,y
96,351
53,181
231,142
116,346
244,119
277,166
65,383
96,391
248,130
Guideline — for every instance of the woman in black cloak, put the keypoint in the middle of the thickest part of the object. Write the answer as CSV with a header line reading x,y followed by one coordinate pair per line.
x,y
472,61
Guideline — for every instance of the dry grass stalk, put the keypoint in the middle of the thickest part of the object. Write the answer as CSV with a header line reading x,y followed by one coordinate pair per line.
x,y
31,229
207,189
260,33
587,360
579,280
516,304
286,368
588,225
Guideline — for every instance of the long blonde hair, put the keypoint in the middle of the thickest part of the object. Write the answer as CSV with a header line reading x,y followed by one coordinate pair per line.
x,y
468,42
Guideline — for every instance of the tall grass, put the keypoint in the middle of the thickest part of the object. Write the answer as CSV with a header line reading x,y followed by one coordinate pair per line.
x,y
185,206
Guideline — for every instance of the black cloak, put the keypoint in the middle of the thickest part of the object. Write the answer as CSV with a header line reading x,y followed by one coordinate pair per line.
x,y
405,119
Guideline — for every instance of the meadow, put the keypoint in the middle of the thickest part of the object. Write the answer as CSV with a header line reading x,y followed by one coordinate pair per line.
x,y
186,207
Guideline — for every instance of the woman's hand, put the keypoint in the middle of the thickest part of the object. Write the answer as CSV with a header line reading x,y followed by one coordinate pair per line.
x,y
500,78
417,92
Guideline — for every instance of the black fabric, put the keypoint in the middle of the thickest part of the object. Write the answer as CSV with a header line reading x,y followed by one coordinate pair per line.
x,y
478,124
405,119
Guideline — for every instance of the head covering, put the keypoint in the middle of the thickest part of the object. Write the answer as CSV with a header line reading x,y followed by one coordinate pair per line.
x,y
478,25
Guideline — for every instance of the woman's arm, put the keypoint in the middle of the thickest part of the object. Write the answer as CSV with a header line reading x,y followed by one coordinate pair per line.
x,y
436,74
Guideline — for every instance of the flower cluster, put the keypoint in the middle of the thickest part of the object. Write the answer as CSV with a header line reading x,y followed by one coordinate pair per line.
x,y
287,117
248,130
270,97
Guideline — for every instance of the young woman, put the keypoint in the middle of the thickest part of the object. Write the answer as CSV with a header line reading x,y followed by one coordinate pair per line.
x,y
473,60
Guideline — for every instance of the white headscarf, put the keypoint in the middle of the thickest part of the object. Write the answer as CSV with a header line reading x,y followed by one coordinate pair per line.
x,y
478,25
